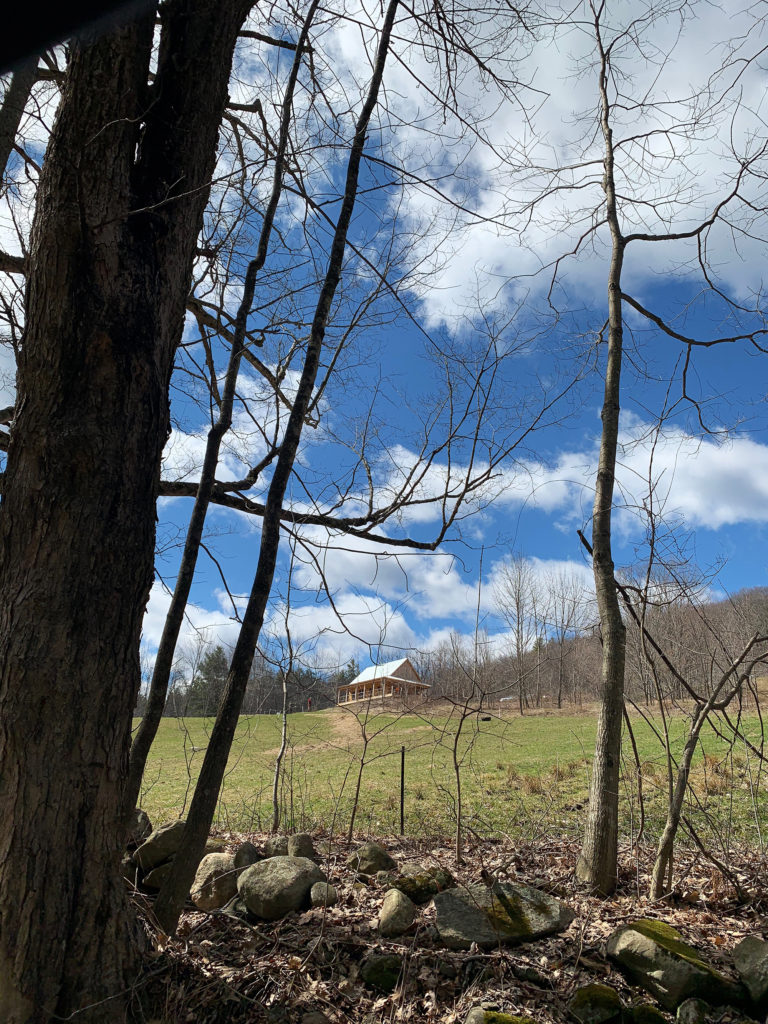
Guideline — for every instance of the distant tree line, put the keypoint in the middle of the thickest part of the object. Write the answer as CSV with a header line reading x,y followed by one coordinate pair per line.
x,y
198,681
547,666
549,662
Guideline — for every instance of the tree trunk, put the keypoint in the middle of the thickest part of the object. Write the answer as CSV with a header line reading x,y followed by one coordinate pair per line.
x,y
164,661
104,314
14,102
173,894
597,862
661,878
279,759
356,795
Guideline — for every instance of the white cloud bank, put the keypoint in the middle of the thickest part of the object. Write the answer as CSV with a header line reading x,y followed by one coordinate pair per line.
x,y
409,600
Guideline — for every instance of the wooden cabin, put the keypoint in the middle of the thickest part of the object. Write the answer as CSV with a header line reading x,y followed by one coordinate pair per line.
x,y
393,679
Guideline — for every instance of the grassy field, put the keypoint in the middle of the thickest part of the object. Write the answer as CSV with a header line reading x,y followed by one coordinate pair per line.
x,y
524,777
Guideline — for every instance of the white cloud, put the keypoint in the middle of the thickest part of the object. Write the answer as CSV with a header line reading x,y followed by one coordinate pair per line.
x,y
706,482
676,174
212,625
709,484
7,376
425,585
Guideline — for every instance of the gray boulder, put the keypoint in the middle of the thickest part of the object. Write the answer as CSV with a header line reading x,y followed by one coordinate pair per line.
x,y
694,1011
301,845
323,895
155,879
505,913
751,959
655,956
215,881
160,846
370,858
397,914
246,854
276,846
596,1004
276,886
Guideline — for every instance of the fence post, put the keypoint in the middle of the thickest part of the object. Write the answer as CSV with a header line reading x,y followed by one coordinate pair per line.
x,y
402,791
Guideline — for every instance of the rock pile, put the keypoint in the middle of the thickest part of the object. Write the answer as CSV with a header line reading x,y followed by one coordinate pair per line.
x,y
287,878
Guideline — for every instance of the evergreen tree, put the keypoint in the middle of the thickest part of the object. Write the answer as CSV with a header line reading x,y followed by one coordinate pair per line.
x,y
207,684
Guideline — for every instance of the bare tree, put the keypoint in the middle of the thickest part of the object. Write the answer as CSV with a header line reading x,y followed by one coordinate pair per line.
x,y
569,609
645,195
172,895
518,600
142,741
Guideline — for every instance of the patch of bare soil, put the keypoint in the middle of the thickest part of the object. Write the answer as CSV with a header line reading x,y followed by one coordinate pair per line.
x,y
346,728
219,969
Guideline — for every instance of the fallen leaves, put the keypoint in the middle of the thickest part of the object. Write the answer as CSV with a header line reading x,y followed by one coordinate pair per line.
x,y
221,971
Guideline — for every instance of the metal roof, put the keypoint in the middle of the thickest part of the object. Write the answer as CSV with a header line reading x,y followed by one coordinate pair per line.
x,y
387,670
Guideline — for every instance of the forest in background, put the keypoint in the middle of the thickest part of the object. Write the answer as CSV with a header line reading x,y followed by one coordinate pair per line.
x,y
551,661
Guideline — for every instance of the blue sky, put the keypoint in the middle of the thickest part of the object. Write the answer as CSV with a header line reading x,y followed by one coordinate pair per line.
x,y
469,233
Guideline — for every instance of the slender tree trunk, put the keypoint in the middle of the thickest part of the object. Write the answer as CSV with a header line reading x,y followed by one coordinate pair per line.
x,y
458,840
356,794
279,759
110,263
173,894
662,867
597,862
175,617
14,103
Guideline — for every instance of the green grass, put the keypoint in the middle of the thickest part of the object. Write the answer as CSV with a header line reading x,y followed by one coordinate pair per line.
x,y
524,777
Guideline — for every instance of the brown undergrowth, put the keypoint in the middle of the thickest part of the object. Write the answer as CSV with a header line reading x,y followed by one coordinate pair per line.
x,y
219,969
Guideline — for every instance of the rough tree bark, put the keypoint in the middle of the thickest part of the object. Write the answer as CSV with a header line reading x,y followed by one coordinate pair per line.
x,y
119,207
597,862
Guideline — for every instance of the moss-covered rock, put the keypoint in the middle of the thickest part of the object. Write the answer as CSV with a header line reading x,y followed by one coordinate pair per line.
x,y
480,1016
140,828
160,846
596,1004
370,858
504,913
382,971
424,885
155,879
655,956
644,1014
